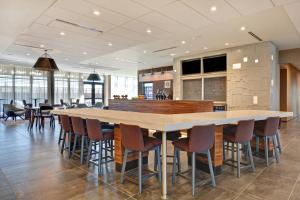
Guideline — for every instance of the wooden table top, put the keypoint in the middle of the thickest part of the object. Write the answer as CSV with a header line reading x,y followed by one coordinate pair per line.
x,y
170,122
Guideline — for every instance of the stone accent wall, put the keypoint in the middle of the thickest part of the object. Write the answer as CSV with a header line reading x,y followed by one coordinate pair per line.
x,y
192,89
215,89
252,80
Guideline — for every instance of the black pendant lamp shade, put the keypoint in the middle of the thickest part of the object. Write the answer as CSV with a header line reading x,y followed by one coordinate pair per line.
x,y
94,77
45,63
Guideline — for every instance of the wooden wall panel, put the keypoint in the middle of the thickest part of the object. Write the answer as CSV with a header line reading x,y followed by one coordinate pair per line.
x,y
161,107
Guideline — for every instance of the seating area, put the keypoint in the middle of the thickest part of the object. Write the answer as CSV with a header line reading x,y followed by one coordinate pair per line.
x,y
150,99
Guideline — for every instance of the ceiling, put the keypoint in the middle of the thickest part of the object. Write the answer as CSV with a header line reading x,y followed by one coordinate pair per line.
x,y
126,44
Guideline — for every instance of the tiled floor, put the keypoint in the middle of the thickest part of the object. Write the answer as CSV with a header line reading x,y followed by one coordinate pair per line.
x,y
31,167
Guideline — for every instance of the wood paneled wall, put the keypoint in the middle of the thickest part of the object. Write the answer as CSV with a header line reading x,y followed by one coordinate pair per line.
x,y
161,107
290,89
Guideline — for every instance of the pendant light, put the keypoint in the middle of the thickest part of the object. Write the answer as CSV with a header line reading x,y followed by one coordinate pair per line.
x,y
45,63
94,76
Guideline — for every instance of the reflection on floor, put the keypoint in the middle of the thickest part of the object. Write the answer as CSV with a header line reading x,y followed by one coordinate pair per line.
x,y
31,167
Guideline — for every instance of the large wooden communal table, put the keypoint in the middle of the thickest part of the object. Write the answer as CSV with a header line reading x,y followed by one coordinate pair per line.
x,y
173,122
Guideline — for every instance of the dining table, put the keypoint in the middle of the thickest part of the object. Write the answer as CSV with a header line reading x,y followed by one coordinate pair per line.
x,y
173,122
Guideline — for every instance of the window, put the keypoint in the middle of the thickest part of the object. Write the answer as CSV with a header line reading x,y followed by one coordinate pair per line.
x,y
122,85
61,87
39,87
6,84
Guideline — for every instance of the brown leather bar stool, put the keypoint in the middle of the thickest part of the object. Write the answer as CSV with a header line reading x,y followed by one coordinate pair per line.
x,y
133,140
99,136
79,130
269,131
66,131
240,134
200,140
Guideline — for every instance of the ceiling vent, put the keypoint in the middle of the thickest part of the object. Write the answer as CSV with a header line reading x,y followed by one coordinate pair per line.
x,y
79,26
255,36
165,49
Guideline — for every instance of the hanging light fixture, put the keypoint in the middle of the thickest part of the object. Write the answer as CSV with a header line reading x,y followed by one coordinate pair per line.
x,y
94,76
45,63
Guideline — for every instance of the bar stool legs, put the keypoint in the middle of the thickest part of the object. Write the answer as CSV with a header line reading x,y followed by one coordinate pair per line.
x,y
251,156
140,166
278,141
176,153
212,175
248,153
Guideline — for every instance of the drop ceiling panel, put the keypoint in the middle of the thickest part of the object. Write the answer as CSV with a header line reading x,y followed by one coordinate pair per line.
x,y
164,23
284,2
132,35
293,12
224,10
142,28
185,15
154,4
86,9
59,13
246,7
125,7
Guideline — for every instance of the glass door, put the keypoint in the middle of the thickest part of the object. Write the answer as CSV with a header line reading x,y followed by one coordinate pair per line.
x,y
93,92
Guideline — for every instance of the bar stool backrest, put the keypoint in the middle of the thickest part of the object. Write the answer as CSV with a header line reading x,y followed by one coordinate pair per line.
x,y
244,131
78,125
271,127
93,127
201,138
65,123
132,137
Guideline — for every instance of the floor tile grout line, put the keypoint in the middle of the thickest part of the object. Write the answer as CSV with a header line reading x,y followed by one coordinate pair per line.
x,y
247,186
294,186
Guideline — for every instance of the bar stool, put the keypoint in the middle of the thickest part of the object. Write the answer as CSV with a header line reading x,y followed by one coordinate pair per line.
x,y
66,131
60,137
134,141
200,140
240,134
269,131
97,137
79,131
171,136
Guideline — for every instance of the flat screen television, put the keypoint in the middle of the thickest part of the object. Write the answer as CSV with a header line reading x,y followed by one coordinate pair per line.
x,y
214,64
191,66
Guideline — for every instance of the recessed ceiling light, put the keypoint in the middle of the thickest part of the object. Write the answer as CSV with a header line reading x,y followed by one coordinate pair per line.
x,y
145,51
96,63
243,28
84,53
226,43
187,52
149,31
42,46
173,54
205,48
109,44
256,60
96,12
62,33
245,59
213,8
27,54
183,42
